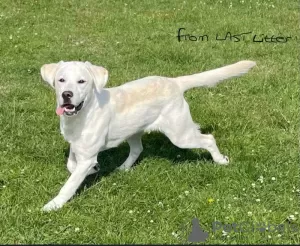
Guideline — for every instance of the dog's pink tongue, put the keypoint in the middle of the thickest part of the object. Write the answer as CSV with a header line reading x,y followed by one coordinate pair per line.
x,y
60,111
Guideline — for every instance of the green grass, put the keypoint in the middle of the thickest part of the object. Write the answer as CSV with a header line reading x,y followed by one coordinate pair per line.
x,y
254,120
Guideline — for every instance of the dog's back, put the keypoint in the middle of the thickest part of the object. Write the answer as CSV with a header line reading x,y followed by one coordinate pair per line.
x,y
146,92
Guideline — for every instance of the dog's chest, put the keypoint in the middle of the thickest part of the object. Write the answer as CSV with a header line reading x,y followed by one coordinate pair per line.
x,y
88,131
70,131
70,135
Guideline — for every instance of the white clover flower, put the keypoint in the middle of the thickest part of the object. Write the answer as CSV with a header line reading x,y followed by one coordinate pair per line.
x,y
130,211
186,192
257,200
77,229
291,217
253,185
151,221
273,178
249,213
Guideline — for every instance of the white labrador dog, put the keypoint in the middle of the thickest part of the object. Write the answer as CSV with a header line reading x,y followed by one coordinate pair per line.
x,y
94,118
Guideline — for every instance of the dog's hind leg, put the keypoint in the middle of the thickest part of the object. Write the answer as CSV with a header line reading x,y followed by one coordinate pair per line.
x,y
179,127
136,147
194,139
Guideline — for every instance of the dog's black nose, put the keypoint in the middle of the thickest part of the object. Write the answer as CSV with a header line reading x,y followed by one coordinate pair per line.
x,y
67,94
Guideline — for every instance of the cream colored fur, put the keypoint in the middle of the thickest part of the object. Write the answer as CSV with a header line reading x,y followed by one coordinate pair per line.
x,y
110,116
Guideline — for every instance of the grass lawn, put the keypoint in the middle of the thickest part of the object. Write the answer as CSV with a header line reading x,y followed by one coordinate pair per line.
x,y
255,120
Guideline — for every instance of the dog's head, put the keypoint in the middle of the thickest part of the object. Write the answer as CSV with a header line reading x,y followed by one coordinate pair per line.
x,y
74,83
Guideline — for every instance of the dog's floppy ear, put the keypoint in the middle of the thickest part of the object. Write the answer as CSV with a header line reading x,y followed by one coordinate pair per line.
x,y
99,74
48,72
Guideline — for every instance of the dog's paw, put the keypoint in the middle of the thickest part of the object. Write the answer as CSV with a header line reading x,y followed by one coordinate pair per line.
x,y
123,168
223,161
52,205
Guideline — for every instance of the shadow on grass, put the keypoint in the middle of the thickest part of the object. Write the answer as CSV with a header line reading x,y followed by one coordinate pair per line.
x,y
155,145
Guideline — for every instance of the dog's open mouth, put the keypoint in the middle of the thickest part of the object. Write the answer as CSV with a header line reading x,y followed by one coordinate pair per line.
x,y
69,109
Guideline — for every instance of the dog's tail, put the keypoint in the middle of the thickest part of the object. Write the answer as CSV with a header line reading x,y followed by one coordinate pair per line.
x,y
213,77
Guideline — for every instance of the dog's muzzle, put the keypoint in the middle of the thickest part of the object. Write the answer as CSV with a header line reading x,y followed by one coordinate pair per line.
x,y
69,109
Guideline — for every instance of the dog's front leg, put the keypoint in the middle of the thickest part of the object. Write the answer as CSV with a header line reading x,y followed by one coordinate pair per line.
x,y
72,163
136,147
68,190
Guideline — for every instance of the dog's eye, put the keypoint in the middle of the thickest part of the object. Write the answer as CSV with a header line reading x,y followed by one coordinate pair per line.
x,y
61,80
81,81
